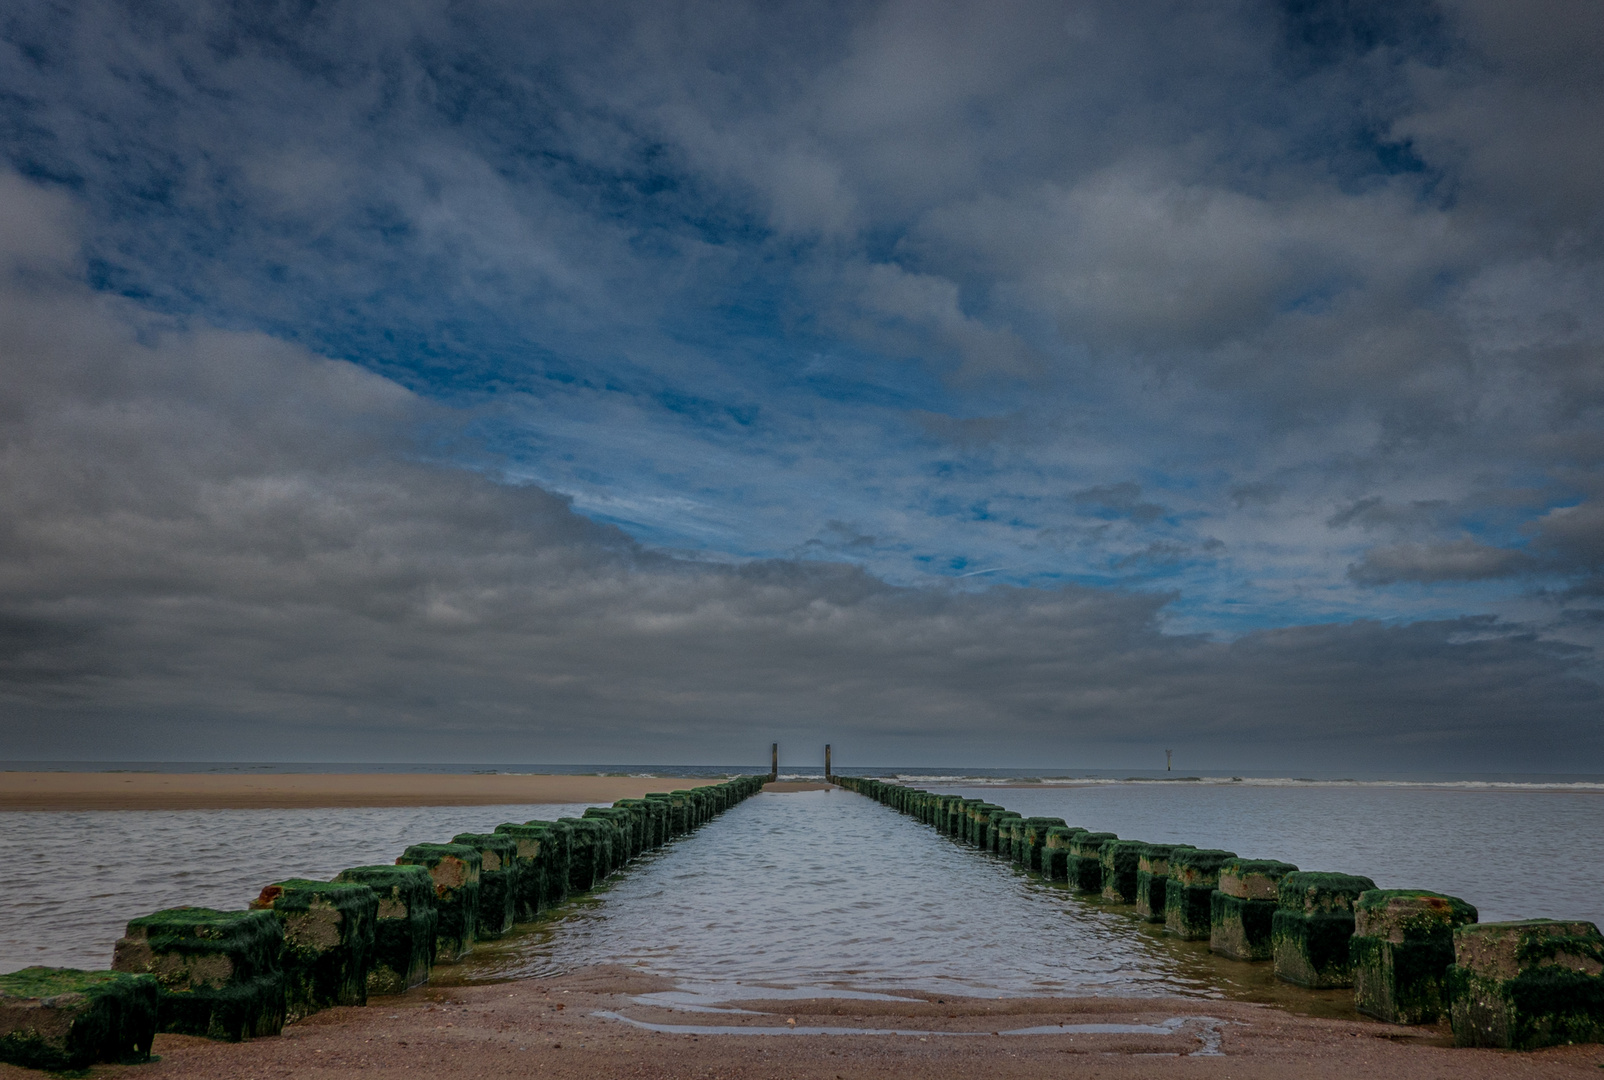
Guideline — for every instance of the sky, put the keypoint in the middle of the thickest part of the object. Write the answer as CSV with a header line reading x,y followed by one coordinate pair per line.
x,y
957,383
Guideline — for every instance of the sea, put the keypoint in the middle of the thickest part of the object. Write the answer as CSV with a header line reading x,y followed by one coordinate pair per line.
x,y
828,892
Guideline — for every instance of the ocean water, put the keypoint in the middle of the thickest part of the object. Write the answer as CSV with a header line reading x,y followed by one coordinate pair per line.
x,y
75,878
830,892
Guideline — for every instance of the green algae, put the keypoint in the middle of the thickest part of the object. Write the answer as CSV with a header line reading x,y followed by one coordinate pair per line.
x,y
1527,984
66,1019
328,941
1189,893
454,869
1313,926
404,935
498,881
1243,906
219,973
1121,861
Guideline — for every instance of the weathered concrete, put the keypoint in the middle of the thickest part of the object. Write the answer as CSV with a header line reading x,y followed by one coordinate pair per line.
x,y
219,974
1312,927
559,858
328,942
1402,946
1152,879
1033,840
590,855
1055,852
1526,984
1083,866
1189,892
454,869
408,919
498,881
66,1019
1242,909
532,856
1121,861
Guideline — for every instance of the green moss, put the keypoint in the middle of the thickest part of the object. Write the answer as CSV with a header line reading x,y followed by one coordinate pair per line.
x,y
498,881
1189,893
328,941
408,922
559,864
1120,861
220,973
66,1019
1527,984
454,869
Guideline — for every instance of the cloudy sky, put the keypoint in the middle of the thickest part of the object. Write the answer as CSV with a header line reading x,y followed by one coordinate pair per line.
x,y
959,383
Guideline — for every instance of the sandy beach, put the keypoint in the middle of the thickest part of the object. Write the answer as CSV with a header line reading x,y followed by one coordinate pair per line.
x,y
234,791
553,1029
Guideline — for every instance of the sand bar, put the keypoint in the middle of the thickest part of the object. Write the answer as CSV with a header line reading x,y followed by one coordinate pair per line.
x,y
234,791
579,1027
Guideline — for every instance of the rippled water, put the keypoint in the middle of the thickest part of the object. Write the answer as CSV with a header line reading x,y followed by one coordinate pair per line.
x,y
74,879
793,894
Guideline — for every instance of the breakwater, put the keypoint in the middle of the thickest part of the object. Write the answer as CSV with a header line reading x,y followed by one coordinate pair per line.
x,y
304,945
1408,955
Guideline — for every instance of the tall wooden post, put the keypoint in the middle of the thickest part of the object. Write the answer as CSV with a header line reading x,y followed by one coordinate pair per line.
x,y
774,763
826,763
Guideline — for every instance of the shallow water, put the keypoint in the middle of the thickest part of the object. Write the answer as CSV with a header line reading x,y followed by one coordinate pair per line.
x,y
74,879
798,894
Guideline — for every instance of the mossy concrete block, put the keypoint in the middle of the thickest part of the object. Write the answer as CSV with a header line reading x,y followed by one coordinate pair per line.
x,y
1313,926
646,821
1402,946
980,825
454,869
1002,832
618,836
558,857
592,847
1527,984
1083,865
408,919
1121,860
1189,892
533,857
1055,851
1033,841
328,941
498,881
65,1019
671,808
1152,877
1242,909
219,974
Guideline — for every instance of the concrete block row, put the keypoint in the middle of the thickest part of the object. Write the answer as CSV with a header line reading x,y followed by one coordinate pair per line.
x,y
1410,956
306,945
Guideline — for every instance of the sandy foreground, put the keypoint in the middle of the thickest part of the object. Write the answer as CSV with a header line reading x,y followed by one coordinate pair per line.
x,y
236,791
577,1026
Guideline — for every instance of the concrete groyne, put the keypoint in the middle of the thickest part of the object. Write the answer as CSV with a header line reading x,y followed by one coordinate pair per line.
x,y
1410,956
306,945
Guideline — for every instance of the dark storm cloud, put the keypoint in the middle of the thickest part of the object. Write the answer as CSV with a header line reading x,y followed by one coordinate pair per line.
x,y
218,543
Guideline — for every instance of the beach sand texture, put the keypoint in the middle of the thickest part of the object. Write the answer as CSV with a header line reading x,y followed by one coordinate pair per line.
x,y
549,1028
234,791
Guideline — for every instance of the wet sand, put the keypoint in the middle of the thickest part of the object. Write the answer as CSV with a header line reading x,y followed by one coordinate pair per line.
x,y
233,791
549,1028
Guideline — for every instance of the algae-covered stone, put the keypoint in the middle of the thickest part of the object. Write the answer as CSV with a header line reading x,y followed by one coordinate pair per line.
x,y
621,839
454,869
1242,909
1402,946
1526,984
980,825
1189,892
1002,832
1083,865
591,853
498,881
328,941
1033,840
646,821
533,857
1121,860
559,861
408,919
65,1019
1152,879
675,824
219,973
1312,927
1055,851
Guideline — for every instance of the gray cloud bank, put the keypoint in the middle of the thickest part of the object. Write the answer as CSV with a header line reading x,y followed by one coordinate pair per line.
x,y
215,544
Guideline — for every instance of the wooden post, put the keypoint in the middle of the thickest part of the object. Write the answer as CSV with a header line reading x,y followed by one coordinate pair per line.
x,y
826,763
774,763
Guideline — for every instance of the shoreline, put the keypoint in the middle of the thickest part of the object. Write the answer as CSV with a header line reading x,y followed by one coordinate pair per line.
x,y
596,1022
280,791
